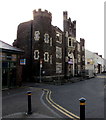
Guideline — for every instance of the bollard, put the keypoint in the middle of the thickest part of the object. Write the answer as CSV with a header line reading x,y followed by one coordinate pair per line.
x,y
29,93
82,108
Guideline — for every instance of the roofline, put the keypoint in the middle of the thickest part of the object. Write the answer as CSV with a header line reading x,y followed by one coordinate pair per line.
x,y
8,50
6,43
18,50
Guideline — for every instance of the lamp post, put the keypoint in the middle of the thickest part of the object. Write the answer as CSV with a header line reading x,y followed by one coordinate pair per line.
x,y
31,39
40,70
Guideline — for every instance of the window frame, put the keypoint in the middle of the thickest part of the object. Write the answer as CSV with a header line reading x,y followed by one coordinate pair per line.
x,y
36,38
46,38
46,60
51,59
58,37
36,57
51,41
72,42
58,52
59,68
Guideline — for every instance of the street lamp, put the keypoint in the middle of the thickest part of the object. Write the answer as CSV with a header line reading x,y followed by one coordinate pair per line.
x,y
40,69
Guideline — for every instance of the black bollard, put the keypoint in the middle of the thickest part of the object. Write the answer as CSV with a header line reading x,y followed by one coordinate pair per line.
x,y
82,108
29,93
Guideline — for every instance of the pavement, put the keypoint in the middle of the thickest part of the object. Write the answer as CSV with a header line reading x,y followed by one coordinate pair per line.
x,y
25,115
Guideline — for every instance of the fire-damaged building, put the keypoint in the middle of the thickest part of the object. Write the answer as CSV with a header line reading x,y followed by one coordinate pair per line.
x,y
74,50
50,53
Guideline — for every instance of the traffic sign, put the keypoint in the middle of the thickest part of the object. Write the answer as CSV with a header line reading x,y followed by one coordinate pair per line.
x,y
22,61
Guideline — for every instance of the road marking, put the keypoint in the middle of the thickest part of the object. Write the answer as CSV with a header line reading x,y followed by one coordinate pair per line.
x,y
101,76
63,108
42,101
58,107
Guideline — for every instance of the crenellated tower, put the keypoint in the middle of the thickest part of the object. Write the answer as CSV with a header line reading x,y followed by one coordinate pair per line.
x,y
65,18
42,36
48,51
42,13
69,28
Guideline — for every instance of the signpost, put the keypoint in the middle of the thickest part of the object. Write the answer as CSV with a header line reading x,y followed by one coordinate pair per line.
x,y
22,61
70,61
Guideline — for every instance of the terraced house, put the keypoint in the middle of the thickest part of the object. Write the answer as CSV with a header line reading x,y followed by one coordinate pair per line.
x,y
50,53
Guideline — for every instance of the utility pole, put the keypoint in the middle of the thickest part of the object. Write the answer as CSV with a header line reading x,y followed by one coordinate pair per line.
x,y
31,38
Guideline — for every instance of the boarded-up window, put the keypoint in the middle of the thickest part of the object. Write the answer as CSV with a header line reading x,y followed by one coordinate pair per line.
x,y
58,37
58,52
46,38
14,57
51,59
78,47
51,42
37,35
58,67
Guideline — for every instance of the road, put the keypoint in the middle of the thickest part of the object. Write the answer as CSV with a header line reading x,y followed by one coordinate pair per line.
x,y
66,96
92,89
14,103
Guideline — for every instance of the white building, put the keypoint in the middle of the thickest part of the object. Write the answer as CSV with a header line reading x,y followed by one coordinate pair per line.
x,y
94,63
104,65
89,63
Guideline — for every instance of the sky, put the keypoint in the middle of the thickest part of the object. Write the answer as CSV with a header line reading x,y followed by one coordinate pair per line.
x,y
89,16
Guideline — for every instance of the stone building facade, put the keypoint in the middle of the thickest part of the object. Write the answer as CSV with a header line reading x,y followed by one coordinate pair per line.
x,y
49,52
74,50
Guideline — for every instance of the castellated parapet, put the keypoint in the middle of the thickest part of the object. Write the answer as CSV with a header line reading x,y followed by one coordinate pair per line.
x,y
42,13
65,15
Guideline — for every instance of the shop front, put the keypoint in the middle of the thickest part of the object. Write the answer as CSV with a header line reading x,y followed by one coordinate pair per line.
x,y
10,57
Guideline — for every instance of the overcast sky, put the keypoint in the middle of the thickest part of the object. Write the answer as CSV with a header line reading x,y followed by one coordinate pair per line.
x,y
89,15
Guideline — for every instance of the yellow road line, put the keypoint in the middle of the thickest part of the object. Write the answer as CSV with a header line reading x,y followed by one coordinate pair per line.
x,y
59,109
63,108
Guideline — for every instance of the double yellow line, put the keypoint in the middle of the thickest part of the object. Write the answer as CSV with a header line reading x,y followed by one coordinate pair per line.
x,y
58,107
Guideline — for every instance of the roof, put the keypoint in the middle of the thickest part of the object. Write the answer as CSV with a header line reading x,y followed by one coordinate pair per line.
x,y
5,46
58,29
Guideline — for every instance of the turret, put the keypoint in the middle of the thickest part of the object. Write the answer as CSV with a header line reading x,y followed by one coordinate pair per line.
x,y
65,21
65,15
74,23
82,42
42,13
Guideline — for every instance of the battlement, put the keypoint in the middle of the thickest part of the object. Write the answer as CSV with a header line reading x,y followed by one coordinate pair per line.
x,y
74,22
44,13
65,15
